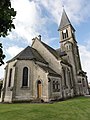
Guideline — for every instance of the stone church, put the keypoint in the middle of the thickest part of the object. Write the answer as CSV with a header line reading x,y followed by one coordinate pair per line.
x,y
40,72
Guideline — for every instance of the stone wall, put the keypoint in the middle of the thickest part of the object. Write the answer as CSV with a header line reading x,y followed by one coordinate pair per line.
x,y
35,74
49,57
8,90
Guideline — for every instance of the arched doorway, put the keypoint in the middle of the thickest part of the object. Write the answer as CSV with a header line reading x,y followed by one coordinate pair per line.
x,y
39,89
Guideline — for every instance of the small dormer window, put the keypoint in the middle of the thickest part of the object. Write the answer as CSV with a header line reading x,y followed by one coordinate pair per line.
x,y
65,34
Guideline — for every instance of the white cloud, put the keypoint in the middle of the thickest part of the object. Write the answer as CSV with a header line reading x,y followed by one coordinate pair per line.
x,y
29,20
2,71
85,59
13,50
77,9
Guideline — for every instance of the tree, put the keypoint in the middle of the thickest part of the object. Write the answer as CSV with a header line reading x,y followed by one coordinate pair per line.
x,y
7,14
1,84
2,56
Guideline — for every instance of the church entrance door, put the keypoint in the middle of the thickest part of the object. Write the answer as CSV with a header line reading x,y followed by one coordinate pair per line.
x,y
39,89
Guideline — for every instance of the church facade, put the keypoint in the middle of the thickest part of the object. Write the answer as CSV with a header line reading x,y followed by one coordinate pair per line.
x,y
40,72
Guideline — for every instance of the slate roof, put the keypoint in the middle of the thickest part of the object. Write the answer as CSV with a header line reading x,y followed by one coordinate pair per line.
x,y
64,21
29,53
53,51
50,71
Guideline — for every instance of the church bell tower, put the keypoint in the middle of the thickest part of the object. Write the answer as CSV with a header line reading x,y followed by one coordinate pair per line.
x,y
68,41
68,44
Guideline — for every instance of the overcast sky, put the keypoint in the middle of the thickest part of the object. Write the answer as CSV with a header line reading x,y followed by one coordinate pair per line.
x,y
42,17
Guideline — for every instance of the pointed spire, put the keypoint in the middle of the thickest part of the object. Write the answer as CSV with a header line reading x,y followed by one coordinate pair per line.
x,y
64,21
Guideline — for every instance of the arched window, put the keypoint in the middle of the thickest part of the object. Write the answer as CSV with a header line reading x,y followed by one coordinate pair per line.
x,y
67,47
62,35
53,86
64,74
10,76
73,34
69,77
83,82
57,86
25,77
65,34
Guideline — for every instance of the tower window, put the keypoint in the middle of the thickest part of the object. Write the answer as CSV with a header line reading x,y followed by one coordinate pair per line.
x,y
73,34
25,77
65,34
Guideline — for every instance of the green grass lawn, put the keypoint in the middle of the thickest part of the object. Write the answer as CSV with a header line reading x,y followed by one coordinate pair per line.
x,y
72,109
